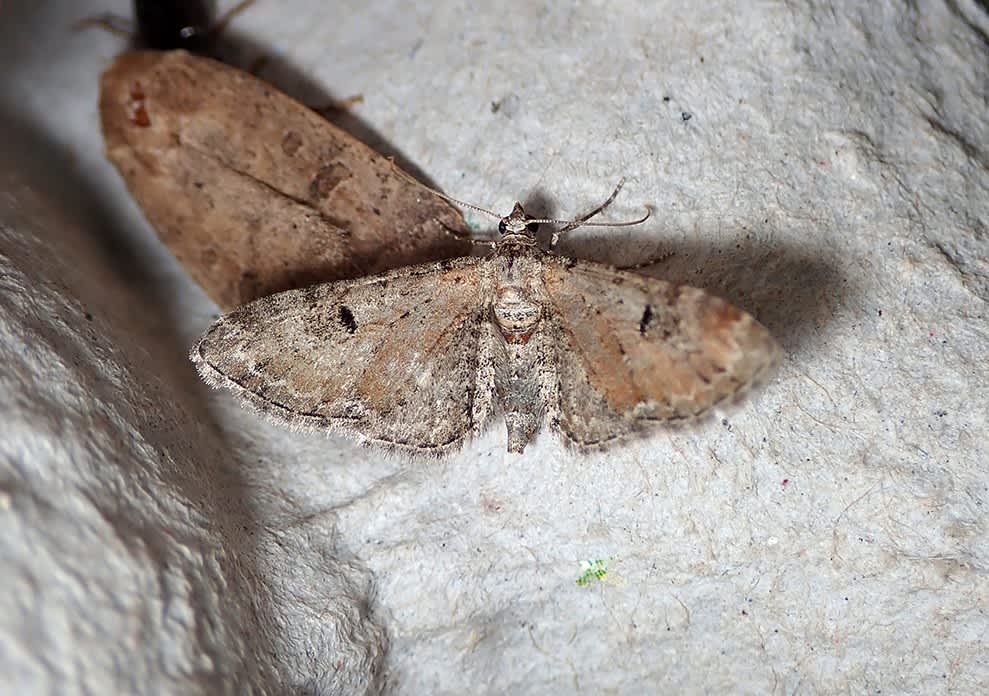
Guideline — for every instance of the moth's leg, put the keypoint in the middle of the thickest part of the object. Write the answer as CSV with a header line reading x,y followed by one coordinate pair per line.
x,y
223,20
109,22
651,261
489,243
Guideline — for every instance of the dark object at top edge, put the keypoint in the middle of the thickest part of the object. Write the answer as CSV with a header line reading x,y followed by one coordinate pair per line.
x,y
169,24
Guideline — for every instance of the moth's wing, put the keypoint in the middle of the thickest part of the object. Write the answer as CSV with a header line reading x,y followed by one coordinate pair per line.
x,y
255,193
392,358
634,349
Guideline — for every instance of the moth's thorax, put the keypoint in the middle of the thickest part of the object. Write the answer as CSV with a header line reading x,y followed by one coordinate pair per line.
x,y
518,305
517,242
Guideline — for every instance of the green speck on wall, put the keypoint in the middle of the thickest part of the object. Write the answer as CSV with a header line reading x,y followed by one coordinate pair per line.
x,y
591,570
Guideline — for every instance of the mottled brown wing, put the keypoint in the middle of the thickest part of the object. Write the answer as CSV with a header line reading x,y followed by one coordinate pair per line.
x,y
391,359
253,192
634,349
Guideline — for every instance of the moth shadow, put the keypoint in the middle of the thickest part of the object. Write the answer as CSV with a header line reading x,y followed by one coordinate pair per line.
x,y
127,323
793,291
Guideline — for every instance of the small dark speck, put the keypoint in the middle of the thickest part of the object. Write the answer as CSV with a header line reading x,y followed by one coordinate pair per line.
x,y
646,318
940,414
880,312
89,317
724,422
666,100
198,184
347,319
686,116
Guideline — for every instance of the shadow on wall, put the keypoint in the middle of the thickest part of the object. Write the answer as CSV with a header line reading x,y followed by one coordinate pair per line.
x,y
165,480
145,445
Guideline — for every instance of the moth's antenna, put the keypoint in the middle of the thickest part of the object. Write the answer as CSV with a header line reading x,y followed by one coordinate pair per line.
x,y
568,225
449,199
582,221
222,22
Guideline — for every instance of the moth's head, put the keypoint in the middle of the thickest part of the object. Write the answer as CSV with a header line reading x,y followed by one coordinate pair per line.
x,y
518,225
518,228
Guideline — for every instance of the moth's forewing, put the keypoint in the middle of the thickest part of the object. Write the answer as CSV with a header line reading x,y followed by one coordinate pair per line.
x,y
395,359
634,349
253,192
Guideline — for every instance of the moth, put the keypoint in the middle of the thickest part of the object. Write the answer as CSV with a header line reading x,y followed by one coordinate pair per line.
x,y
422,357
253,192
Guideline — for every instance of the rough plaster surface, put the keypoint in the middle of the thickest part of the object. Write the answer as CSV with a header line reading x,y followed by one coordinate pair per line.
x,y
823,165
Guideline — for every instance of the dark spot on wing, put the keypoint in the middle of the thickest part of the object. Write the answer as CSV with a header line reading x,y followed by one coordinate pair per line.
x,y
138,106
347,319
326,180
644,321
291,143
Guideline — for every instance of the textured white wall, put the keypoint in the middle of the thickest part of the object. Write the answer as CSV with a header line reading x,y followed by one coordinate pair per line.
x,y
827,535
